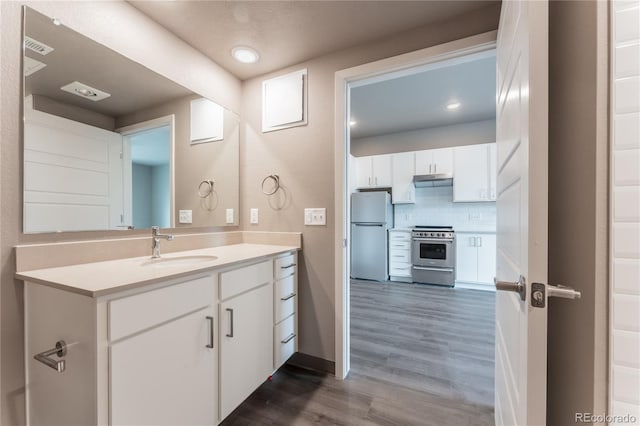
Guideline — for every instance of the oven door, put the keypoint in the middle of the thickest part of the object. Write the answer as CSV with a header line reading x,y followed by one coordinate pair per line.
x,y
439,253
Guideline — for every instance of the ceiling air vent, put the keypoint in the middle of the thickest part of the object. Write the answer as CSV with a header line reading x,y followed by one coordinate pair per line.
x,y
31,66
36,46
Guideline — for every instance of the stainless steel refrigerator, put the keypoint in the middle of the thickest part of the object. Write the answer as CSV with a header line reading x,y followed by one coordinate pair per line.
x,y
371,218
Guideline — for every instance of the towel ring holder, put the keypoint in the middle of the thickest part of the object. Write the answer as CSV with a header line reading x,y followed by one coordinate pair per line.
x,y
208,188
276,184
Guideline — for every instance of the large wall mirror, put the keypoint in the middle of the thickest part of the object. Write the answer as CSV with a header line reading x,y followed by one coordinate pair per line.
x,y
109,144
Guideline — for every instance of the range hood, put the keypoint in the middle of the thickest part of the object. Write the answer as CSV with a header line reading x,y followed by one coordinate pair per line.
x,y
439,179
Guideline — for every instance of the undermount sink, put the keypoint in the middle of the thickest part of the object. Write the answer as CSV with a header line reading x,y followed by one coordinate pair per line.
x,y
179,260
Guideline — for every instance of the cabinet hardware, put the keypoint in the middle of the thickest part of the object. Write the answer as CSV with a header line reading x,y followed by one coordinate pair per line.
x,y
230,334
435,168
288,297
288,266
369,180
424,268
211,333
479,241
288,339
376,179
57,364
472,241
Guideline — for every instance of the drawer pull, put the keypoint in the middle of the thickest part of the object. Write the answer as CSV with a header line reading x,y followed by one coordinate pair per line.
x,y
288,339
57,364
288,266
230,322
212,333
288,297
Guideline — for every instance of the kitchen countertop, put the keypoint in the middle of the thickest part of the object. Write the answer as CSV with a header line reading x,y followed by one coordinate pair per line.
x,y
108,277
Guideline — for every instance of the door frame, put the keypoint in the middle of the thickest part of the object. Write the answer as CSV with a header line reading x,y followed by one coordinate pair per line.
x,y
344,80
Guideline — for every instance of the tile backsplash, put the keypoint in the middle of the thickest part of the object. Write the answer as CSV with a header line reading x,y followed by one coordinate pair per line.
x,y
435,207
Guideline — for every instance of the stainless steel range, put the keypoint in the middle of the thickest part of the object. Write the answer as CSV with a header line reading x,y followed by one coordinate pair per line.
x,y
433,254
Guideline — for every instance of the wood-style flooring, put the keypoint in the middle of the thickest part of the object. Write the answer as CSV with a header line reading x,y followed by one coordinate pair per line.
x,y
420,355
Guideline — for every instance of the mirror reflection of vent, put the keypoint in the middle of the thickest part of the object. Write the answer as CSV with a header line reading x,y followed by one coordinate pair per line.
x,y
36,46
31,66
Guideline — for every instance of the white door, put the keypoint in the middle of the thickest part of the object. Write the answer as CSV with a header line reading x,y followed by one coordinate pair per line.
x,y
521,133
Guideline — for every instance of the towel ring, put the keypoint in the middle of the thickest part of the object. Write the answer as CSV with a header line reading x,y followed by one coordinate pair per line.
x,y
276,184
208,188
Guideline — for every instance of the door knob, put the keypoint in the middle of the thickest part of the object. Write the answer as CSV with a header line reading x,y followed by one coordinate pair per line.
x,y
562,291
519,286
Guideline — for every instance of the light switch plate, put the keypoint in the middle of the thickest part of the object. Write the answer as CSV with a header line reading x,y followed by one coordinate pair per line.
x,y
253,216
229,216
185,216
315,216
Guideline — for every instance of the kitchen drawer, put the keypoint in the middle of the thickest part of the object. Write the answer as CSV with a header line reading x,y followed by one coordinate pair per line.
x,y
284,343
402,245
399,256
285,298
401,270
244,279
142,311
285,266
399,236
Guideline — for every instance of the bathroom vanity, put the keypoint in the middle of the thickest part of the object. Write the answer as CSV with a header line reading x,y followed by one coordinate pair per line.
x,y
179,340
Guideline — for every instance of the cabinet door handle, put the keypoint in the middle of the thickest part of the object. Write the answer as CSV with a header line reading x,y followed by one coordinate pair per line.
x,y
288,297
472,241
369,180
288,338
479,243
376,179
288,266
211,333
435,168
429,168
230,334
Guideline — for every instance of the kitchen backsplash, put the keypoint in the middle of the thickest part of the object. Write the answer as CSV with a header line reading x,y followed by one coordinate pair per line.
x,y
435,207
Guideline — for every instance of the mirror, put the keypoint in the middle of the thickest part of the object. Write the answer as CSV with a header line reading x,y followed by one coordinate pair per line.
x,y
110,144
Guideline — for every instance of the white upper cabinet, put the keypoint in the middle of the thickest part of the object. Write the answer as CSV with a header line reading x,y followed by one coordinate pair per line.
x,y
403,191
434,161
373,171
475,178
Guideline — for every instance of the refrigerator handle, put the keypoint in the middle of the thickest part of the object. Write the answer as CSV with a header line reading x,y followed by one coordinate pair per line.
x,y
368,224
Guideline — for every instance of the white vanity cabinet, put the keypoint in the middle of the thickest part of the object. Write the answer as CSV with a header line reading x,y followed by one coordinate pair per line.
x,y
476,170
285,301
246,332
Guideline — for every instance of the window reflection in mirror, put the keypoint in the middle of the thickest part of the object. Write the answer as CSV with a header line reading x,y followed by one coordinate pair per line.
x,y
108,144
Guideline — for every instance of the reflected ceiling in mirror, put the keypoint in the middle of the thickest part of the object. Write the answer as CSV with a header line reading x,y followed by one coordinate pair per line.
x,y
108,143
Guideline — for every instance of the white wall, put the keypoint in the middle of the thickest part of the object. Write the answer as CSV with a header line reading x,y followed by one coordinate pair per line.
x,y
435,207
625,213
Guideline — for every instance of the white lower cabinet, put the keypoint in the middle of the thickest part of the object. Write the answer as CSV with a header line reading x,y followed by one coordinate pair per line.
x,y
186,351
476,259
400,255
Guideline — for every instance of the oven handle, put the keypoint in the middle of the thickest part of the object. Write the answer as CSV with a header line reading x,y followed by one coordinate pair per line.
x,y
422,268
437,240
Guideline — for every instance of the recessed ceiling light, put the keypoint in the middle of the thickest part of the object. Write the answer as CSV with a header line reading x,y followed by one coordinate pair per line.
x,y
453,105
244,54
352,123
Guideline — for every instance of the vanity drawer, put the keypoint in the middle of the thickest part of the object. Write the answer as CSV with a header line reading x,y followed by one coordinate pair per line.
x,y
399,256
285,266
244,279
284,341
142,311
285,298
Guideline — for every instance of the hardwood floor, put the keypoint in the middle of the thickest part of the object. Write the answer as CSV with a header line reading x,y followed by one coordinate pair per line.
x,y
420,355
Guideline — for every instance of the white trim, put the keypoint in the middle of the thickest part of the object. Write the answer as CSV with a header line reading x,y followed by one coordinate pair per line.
x,y
345,79
167,120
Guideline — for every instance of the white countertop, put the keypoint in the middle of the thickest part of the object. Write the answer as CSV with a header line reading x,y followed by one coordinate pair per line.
x,y
108,277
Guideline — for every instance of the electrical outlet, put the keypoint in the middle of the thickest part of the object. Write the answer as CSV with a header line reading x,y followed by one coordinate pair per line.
x,y
315,216
253,216
229,215
185,216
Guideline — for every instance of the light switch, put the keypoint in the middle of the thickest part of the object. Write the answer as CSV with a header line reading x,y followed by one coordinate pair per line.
x,y
253,216
315,216
185,216
229,215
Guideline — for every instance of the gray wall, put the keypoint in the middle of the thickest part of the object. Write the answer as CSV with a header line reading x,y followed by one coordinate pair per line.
x,y
430,138
124,29
578,205
304,159
141,195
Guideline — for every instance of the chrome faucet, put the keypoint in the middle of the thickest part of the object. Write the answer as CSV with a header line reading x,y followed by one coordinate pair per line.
x,y
155,244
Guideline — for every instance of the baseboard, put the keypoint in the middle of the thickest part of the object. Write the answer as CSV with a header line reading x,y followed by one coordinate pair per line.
x,y
311,362
475,286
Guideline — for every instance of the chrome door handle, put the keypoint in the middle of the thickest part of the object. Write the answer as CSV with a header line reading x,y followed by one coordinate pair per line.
x,y
563,292
211,333
519,286
230,334
57,364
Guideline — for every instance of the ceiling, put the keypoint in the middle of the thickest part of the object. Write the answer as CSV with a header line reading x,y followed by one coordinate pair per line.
x,y
288,32
419,100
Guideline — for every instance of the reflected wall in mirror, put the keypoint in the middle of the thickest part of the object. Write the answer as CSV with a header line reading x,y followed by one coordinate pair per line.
x,y
108,143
